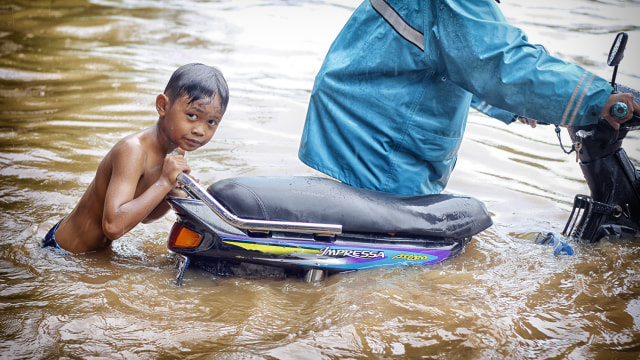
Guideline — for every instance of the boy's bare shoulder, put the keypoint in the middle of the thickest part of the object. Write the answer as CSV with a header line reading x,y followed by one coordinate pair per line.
x,y
130,158
133,147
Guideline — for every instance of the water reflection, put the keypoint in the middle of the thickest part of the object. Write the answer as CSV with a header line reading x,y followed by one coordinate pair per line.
x,y
78,75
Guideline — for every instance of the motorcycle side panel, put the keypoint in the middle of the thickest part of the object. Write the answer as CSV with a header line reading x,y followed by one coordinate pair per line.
x,y
327,256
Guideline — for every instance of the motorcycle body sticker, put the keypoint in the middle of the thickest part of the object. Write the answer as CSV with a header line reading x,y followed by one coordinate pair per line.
x,y
337,256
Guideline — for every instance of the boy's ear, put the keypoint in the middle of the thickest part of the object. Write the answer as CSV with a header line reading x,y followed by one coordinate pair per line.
x,y
162,104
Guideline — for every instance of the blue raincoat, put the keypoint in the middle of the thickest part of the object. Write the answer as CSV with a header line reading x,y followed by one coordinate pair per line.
x,y
389,105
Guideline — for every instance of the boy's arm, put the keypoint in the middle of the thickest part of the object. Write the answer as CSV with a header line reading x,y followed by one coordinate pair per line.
x,y
122,209
163,207
157,212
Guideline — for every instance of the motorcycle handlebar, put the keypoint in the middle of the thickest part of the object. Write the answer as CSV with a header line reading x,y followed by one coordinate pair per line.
x,y
619,110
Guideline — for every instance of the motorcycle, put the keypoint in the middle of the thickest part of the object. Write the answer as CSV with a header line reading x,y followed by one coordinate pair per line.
x,y
312,227
613,208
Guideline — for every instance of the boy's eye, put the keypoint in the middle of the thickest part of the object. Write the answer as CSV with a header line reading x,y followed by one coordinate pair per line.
x,y
192,116
213,122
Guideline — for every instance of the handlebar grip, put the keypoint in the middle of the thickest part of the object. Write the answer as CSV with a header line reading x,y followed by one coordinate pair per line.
x,y
619,110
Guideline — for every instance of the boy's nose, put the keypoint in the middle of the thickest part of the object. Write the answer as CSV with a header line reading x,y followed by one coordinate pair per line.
x,y
197,130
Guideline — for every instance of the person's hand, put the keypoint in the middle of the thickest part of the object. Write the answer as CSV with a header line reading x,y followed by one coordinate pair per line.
x,y
178,192
626,98
174,165
527,121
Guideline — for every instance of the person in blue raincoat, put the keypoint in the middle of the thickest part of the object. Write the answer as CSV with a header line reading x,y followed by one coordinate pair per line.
x,y
389,105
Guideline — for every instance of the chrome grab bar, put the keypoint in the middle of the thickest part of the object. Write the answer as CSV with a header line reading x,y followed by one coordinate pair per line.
x,y
195,190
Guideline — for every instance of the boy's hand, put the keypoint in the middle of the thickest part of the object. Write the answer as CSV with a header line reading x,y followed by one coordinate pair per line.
x,y
178,192
174,165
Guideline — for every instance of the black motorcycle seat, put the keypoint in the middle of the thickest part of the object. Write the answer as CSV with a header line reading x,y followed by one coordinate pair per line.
x,y
326,201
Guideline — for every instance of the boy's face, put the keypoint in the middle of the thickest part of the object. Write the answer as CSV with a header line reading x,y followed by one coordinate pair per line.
x,y
189,125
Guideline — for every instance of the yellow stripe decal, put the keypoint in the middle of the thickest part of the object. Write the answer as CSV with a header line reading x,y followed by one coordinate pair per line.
x,y
272,249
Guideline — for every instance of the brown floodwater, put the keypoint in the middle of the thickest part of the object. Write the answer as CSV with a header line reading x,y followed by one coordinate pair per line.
x,y
77,75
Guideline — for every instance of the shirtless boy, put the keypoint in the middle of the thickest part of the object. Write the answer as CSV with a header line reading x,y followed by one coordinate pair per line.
x,y
134,178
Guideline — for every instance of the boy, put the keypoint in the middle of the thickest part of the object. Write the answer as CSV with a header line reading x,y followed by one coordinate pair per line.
x,y
141,169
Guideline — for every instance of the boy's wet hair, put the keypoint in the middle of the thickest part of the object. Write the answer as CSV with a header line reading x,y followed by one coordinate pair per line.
x,y
198,81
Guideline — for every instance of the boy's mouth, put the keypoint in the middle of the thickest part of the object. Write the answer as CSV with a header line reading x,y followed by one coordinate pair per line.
x,y
194,143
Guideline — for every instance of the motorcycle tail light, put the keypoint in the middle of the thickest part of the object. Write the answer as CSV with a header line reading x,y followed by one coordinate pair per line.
x,y
181,237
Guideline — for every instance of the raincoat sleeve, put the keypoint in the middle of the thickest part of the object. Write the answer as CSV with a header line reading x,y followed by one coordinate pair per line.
x,y
496,113
483,54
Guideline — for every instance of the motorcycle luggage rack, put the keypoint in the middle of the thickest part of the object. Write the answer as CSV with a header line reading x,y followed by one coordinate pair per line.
x,y
198,192
584,208
580,202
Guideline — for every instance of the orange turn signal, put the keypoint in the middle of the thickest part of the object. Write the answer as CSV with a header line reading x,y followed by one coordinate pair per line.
x,y
181,237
